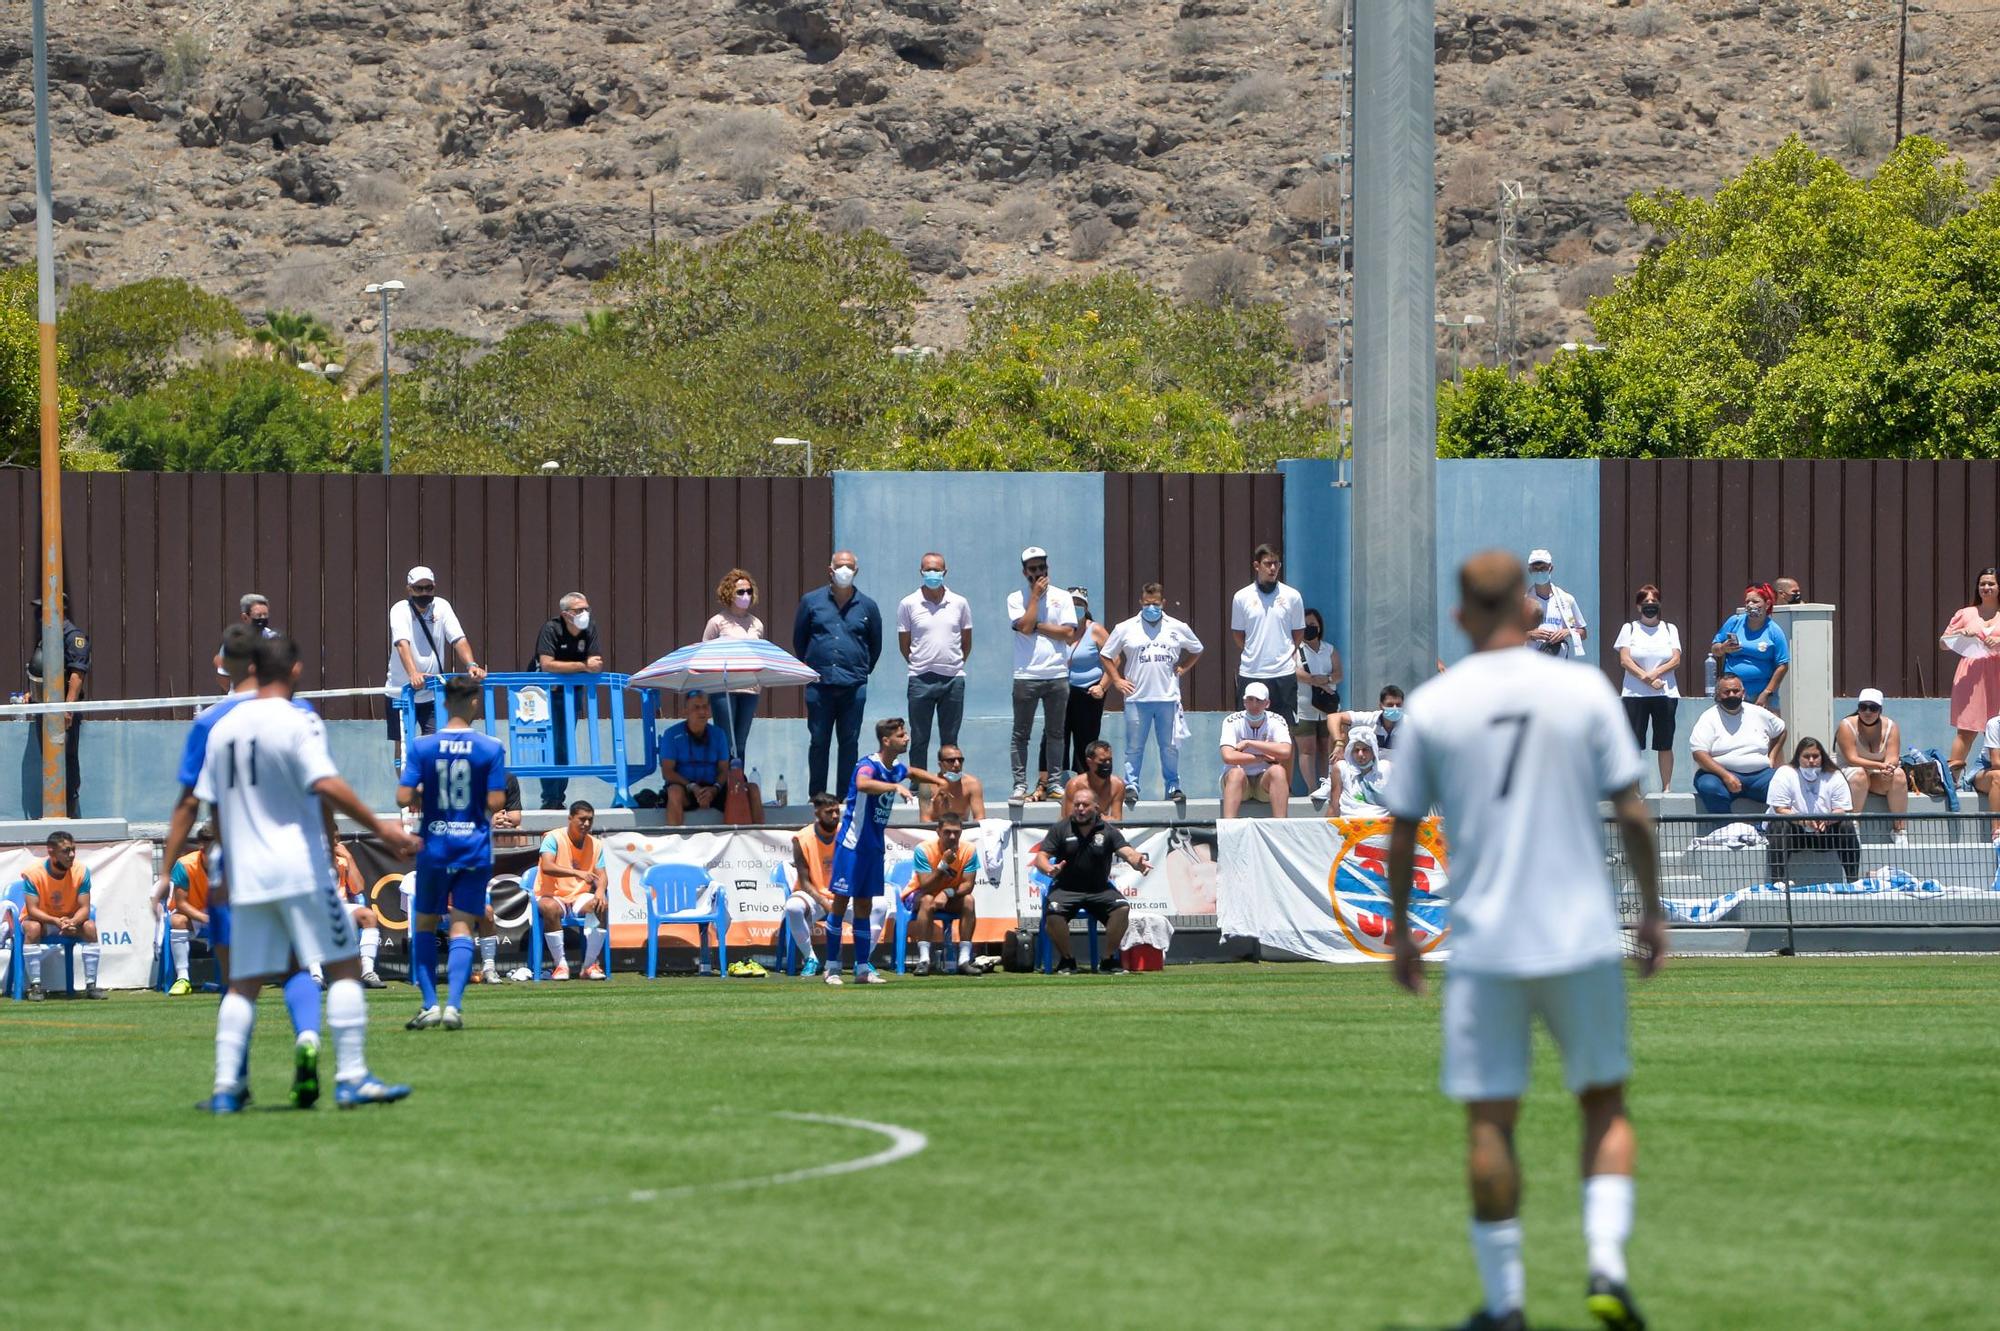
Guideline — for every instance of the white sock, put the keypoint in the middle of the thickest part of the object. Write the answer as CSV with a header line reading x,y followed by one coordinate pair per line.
x,y
798,923
177,942
964,954
924,953
554,938
34,959
233,1022
1607,1223
593,941
1496,1246
90,955
371,947
489,948
317,972
347,1018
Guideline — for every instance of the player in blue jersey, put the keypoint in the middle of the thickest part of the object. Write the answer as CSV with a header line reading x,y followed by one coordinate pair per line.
x,y
239,643
459,778
872,793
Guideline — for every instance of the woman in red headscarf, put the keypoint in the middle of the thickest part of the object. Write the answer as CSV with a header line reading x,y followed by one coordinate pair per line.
x,y
1752,647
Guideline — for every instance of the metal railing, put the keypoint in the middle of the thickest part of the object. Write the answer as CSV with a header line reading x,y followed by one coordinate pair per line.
x,y
526,711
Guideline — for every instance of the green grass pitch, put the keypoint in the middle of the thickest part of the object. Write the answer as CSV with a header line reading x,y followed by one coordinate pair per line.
x,y
1220,1146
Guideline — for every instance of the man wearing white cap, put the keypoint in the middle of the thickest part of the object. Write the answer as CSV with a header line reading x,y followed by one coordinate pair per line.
x,y
1256,754
1869,746
1044,622
422,629
1563,628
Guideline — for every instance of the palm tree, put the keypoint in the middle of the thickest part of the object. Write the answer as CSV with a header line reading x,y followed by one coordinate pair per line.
x,y
295,337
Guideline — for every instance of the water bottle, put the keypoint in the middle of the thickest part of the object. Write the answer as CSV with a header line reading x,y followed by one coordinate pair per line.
x,y
782,800
1708,674
757,779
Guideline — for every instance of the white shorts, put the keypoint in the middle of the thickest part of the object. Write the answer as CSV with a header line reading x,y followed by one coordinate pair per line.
x,y
1489,1019
264,936
353,906
815,912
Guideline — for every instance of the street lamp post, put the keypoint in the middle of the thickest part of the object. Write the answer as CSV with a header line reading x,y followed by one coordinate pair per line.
x,y
786,441
385,290
1457,328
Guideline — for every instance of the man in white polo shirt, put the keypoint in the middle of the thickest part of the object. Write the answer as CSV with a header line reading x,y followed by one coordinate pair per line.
x,y
1145,658
1735,744
1256,754
1268,621
1044,622
1563,628
423,628
934,628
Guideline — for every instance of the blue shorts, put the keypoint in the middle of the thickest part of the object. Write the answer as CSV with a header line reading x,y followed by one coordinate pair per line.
x,y
218,924
459,889
857,873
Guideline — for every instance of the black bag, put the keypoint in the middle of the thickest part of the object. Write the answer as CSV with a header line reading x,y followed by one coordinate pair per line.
x,y
1325,701
1017,951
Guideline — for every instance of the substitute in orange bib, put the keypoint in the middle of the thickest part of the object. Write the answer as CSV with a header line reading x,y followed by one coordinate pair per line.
x,y
572,875
812,878
947,870
353,892
58,910
188,913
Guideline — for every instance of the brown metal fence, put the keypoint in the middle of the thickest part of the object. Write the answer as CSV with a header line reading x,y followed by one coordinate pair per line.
x,y
1194,534
1892,544
155,564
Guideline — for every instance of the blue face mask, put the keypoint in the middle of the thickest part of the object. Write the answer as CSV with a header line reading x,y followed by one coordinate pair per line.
x,y
933,578
1152,614
1392,714
954,777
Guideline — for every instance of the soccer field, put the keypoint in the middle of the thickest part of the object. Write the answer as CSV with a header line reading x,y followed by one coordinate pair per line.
x,y
1218,1146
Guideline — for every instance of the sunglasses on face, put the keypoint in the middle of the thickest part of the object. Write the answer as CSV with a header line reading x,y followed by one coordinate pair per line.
x,y
1869,707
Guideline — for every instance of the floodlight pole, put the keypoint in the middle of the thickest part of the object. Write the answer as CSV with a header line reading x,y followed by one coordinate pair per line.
x,y
55,679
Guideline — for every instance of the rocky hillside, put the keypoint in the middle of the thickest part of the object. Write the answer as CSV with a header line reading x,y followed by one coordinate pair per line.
x,y
498,154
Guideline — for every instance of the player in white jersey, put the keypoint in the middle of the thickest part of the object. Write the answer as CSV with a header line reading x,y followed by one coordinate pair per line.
x,y
274,786
1516,749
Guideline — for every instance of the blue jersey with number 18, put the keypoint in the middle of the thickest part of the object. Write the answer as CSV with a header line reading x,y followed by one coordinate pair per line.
x,y
456,770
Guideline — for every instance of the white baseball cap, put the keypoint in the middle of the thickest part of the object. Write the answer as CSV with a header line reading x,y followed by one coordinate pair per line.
x,y
1033,552
1541,557
1870,695
1257,691
421,573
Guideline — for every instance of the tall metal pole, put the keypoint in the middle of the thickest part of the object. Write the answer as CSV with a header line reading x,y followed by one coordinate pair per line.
x,y
55,679
1902,52
1393,637
385,381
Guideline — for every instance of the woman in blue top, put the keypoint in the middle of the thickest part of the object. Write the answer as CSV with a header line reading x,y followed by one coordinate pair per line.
x,y
1751,646
1084,720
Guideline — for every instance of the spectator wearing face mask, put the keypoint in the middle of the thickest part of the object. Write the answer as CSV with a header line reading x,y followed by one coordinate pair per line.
x,y
734,711
1789,591
1562,629
1650,650
424,640
1735,745
1817,799
1385,720
253,609
959,791
836,630
1360,776
566,646
1319,698
1751,646
1083,719
1256,754
1095,775
1145,658
934,630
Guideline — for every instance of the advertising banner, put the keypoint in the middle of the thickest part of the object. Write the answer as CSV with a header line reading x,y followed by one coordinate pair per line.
x,y
1320,889
1182,881
121,893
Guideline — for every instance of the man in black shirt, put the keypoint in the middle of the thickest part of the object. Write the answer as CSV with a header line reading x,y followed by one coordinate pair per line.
x,y
76,666
1077,855
567,645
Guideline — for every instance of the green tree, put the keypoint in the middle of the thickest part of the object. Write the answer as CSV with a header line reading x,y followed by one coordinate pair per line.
x,y
123,340
295,337
20,373
245,415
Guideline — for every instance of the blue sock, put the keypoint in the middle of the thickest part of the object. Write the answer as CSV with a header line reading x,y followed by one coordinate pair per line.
x,y
423,964
302,1002
458,967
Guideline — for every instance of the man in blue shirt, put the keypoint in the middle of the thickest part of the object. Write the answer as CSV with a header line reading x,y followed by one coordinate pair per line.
x,y
694,764
457,778
838,632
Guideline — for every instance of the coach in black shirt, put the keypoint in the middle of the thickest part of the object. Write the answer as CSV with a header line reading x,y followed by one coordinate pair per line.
x,y
567,645
1077,855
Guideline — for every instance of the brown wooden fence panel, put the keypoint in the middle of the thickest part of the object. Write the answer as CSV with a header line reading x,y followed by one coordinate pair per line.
x,y
1892,544
155,564
1195,535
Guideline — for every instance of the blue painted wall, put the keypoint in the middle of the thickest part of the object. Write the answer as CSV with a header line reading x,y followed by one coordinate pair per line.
x,y
1316,536
1516,504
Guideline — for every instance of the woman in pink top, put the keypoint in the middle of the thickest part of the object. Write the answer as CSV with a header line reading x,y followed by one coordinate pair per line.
x,y
734,712
1975,689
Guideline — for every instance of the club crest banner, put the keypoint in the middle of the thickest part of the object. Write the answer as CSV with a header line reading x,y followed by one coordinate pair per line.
x,y
1320,889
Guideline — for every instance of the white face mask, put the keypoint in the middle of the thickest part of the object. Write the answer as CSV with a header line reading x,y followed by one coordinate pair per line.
x,y
1811,775
581,619
843,576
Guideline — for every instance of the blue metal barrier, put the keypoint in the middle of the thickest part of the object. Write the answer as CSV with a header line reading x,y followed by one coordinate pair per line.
x,y
521,709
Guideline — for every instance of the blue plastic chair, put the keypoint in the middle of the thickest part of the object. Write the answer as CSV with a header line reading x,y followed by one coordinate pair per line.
x,y
788,957
198,934
1045,951
570,920
899,883
673,896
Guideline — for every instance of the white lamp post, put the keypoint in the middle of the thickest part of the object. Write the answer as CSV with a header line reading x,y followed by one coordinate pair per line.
x,y
385,290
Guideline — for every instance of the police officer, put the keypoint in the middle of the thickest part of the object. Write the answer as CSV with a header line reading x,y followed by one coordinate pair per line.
x,y
567,645
76,666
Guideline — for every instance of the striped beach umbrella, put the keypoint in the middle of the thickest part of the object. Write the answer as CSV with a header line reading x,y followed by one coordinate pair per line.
x,y
720,664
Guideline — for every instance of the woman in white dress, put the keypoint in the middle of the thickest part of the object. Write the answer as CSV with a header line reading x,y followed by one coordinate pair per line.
x,y
1318,668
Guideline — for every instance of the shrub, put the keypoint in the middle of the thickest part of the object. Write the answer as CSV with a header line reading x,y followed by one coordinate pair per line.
x,y
1090,238
1226,277
186,59
1254,94
1819,91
